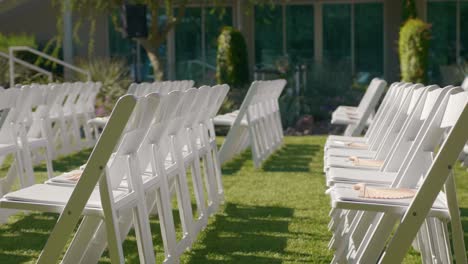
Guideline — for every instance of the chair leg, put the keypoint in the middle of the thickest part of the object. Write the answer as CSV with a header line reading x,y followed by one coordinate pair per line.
x,y
371,248
25,156
49,166
82,239
455,221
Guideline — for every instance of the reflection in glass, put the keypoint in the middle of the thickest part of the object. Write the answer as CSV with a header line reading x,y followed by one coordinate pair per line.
x,y
188,36
368,38
300,33
442,51
337,32
268,35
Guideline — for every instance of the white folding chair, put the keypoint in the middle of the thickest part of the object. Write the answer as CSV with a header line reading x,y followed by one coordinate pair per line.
x,y
69,114
419,113
388,100
8,140
205,137
62,138
428,209
84,111
355,118
92,242
33,128
392,157
395,158
249,126
369,159
143,89
348,148
123,133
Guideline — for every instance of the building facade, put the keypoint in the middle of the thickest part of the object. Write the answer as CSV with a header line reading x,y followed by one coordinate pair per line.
x,y
358,35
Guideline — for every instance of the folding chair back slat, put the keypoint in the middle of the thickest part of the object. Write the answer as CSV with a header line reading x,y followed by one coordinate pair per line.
x,y
255,123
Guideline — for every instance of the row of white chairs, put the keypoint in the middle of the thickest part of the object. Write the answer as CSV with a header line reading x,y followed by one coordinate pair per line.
x,y
356,118
394,187
141,89
257,123
39,122
146,149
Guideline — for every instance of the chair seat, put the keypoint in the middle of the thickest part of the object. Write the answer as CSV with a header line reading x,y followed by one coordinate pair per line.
x,y
358,175
344,108
343,196
345,162
344,119
337,140
54,195
228,120
63,179
346,144
346,152
7,148
37,142
99,121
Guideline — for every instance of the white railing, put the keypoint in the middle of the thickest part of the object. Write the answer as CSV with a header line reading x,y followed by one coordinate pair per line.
x,y
29,66
12,57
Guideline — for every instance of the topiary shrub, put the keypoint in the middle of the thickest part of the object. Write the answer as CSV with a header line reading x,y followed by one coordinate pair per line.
x,y
231,61
413,46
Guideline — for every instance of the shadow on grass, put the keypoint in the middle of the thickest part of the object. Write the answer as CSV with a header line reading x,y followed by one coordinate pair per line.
x,y
237,163
67,163
23,240
464,221
291,158
243,234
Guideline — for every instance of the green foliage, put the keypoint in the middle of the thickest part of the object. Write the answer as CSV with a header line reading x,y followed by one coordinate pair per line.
x,y
16,40
114,76
409,10
23,75
413,47
232,62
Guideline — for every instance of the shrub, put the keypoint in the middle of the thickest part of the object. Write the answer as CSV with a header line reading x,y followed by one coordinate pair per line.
x,y
413,46
231,61
16,40
114,76
23,75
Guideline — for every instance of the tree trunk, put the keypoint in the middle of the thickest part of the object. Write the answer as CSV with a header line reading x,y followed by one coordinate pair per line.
x,y
152,53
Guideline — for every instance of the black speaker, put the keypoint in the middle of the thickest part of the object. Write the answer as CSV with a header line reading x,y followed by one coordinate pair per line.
x,y
134,21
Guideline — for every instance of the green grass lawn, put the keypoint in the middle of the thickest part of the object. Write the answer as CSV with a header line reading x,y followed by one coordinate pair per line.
x,y
277,214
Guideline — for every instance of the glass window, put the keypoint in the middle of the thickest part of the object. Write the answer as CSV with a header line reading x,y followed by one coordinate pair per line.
x,y
442,16
300,33
268,35
368,38
188,47
336,32
464,31
119,46
126,49
215,20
